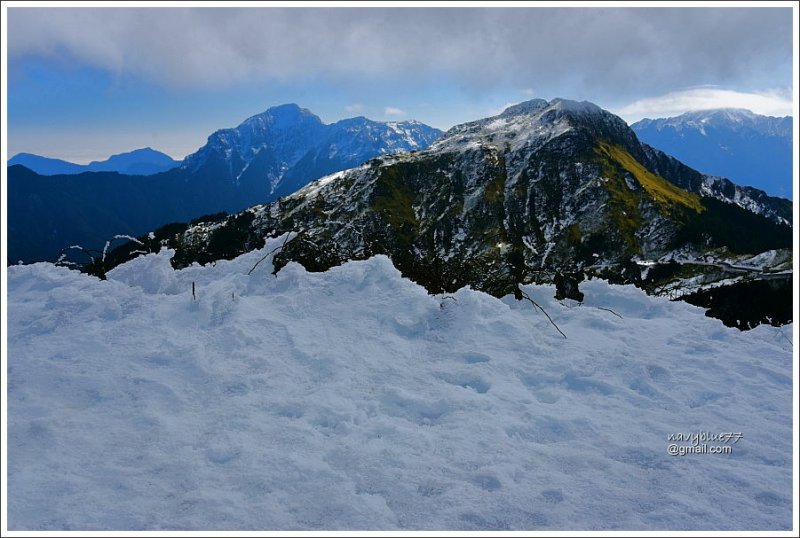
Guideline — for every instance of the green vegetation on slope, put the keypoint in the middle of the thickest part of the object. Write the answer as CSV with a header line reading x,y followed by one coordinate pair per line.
x,y
623,204
665,194
394,200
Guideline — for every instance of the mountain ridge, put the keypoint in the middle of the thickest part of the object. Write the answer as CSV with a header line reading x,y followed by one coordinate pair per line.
x,y
143,161
749,148
742,117
273,143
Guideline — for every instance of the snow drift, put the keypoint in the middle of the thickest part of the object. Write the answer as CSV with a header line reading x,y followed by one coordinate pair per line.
x,y
352,399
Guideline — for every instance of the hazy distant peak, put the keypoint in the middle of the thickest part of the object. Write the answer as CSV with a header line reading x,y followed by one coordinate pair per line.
x,y
143,161
735,143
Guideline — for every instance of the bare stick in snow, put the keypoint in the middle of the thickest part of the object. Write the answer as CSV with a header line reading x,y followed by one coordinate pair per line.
x,y
270,252
537,305
86,251
609,310
780,332
119,236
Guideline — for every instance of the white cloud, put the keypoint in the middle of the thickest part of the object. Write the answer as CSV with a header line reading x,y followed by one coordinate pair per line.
x,y
769,103
354,108
392,111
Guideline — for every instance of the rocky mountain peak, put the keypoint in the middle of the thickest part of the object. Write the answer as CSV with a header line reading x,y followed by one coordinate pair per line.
x,y
281,149
532,124
283,116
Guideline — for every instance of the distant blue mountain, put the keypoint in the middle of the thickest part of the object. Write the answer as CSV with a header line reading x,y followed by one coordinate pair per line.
x,y
747,148
46,166
139,162
267,156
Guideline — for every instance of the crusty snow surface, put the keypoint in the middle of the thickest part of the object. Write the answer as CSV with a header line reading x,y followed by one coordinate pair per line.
x,y
352,399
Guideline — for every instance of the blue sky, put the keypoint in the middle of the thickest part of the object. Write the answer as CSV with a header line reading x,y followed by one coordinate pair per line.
x,y
84,83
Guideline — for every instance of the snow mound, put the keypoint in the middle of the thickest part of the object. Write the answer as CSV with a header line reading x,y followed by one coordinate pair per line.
x,y
352,399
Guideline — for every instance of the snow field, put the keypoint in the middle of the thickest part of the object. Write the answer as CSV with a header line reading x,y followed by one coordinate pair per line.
x,y
352,399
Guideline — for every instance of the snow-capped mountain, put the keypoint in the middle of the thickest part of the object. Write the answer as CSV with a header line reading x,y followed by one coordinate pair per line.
x,y
268,155
285,147
544,192
748,148
139,162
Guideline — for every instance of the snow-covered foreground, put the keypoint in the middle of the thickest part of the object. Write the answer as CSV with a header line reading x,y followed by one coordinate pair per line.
x,y
352,399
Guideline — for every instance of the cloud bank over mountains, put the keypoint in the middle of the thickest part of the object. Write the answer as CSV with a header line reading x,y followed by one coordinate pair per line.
x,y
653,48
770,103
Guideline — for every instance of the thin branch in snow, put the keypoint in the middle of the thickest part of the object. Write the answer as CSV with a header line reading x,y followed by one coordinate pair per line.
x,y
76,247
119,236
609,310
537,305
270,252
780,332
128,237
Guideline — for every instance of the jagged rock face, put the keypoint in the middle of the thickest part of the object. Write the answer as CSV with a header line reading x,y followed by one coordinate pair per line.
x,y
776,209
540,191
